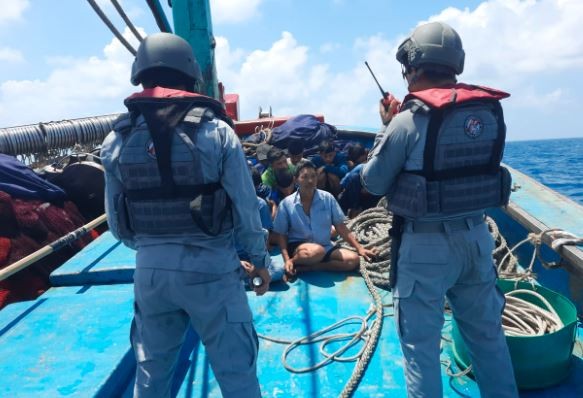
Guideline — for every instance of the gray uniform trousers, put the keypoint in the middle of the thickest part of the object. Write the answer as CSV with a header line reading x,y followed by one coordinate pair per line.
x,y
457,264
216,305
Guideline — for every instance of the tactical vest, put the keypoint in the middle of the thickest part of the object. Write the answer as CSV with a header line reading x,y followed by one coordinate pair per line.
x,y
163,187
462,154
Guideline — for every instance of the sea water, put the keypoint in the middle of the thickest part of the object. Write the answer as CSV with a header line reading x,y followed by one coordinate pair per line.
x,y
557,164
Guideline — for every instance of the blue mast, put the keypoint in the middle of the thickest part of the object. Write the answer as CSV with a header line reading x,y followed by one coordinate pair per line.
x,y
192,21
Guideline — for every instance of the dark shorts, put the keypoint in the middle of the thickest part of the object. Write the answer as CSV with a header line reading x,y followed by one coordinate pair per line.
x,y
292,246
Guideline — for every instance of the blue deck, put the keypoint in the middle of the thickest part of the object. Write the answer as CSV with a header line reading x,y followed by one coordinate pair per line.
x,y
73,340
103,261
77,343
67,344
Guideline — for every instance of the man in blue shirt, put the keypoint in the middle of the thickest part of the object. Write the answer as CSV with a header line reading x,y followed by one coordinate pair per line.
x,y
303,226
172,164
353,198
331,166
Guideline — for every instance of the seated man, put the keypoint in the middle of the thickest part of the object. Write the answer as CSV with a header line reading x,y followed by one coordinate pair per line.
x,y
285,185
303,224
295,151
275,271
331,167
261,154
357,154
354,198
277,161
261,190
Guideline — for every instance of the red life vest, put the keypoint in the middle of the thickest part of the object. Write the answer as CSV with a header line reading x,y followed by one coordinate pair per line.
x,y
441,97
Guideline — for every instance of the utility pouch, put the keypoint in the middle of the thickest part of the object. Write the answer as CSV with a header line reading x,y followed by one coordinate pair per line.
x,y
124,229
505,185
410,198
211,212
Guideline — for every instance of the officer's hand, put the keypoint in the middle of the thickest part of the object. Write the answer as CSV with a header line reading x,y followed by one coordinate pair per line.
x,y
387,113
263,274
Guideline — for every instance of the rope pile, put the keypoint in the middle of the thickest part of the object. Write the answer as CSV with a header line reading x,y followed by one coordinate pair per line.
x,y
371,229
523,318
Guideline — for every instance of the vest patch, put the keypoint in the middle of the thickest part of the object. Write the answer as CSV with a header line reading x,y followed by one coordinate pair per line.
x,y
473,126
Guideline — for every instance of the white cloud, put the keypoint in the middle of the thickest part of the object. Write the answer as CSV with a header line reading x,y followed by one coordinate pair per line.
x,y
76,87
233,11
284,78
532,99
10,55
12,9
329,47
512,37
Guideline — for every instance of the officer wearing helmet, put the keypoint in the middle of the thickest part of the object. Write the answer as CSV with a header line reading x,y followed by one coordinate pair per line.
x,y
438,162
173,163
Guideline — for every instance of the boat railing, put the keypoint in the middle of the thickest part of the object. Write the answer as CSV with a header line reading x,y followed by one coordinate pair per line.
x,y
530,198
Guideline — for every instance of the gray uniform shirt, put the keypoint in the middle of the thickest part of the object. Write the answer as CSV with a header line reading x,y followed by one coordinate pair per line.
x,y
222,160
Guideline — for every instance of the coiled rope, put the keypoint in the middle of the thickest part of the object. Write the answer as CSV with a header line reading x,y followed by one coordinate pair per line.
x,y
523,318
367,332
371,229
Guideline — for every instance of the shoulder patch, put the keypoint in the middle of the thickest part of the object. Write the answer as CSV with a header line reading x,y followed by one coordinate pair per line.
x,y
473,126
123,124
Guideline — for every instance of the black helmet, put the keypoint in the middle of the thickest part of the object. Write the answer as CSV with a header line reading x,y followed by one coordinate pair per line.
x,y
434,44
165,50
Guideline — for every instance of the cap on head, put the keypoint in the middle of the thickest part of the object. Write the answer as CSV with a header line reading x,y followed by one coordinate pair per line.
x,y
262,151
434,44
165,50
274,154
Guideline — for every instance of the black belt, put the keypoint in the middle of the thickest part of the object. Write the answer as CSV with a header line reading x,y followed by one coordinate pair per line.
x,y
447,226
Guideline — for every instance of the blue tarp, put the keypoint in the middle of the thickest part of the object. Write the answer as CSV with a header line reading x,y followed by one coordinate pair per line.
x,y
305,128
20,182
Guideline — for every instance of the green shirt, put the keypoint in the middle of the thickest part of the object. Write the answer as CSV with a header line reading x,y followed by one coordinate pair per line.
x,y
268,176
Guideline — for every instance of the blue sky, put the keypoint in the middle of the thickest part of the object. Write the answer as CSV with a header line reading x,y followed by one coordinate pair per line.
x,y
59,61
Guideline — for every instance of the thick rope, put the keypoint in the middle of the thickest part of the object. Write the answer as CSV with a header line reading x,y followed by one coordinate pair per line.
x,y
507,265
523,318
372,340
371,229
